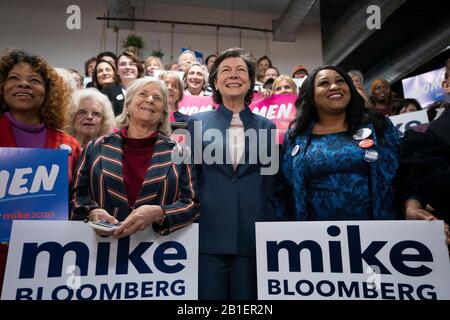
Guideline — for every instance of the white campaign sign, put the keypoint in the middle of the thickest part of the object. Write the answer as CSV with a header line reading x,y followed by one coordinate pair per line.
x,y
402,260
66,260
406,121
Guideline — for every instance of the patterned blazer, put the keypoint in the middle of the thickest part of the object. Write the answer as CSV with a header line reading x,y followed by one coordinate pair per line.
x,y
98,183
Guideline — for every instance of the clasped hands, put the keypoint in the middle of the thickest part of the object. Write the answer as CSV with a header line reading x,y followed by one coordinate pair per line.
x,y
139,219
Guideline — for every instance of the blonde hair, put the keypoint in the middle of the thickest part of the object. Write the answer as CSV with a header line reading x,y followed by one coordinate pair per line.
x,y
151,59
288,79
108,120
204,74
123,119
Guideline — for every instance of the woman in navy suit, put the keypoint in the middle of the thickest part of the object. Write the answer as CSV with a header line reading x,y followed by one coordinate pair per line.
x,y
236,186
129,176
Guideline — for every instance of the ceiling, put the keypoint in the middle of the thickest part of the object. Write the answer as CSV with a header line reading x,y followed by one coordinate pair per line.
x,y
413,19
262,6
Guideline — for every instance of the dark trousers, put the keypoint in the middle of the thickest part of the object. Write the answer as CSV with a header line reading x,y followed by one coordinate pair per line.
x,y
227,277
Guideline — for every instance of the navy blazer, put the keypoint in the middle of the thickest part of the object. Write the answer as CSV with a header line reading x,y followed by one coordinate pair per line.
x,y
231,201
98,183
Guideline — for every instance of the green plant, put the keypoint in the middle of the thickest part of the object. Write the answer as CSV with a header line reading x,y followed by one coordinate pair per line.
x,y
133,40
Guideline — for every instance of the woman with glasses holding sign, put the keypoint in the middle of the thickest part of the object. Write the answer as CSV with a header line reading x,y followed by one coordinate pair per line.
x,y
339,159
129,176
33,110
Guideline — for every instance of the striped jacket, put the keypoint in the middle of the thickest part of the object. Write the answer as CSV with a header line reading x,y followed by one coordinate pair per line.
x,y
98,183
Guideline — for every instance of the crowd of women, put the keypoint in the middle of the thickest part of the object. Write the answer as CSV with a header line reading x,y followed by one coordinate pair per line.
x,y
340,160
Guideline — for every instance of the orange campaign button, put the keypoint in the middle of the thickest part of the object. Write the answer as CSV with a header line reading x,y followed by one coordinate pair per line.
x,y
366,143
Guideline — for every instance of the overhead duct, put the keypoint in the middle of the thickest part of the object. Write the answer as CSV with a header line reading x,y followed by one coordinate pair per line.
x,y
286,26
351,29
415,53
120,9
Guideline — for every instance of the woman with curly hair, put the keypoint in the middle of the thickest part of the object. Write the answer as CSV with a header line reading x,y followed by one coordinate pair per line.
x,y
339,159
33,105
33,110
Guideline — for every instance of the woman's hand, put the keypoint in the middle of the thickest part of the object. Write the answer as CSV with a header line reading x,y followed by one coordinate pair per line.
x,y
139,219
414,211
419,214
102,215
267,93
447,234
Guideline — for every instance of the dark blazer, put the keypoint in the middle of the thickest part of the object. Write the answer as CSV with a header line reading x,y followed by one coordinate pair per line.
x,y
98,183
116,96
231,201
425,166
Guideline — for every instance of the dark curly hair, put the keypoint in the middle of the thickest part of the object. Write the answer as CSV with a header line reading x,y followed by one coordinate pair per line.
x,y
233,53
356,112
54,111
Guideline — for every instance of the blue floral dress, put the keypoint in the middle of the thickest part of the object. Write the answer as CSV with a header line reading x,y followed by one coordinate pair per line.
x,y
329,177
336,179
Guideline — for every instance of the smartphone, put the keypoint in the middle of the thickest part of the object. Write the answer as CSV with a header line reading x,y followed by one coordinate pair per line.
x,y
104,226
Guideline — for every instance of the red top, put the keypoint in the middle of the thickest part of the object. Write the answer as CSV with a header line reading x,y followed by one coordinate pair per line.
x,y
55,139
137,154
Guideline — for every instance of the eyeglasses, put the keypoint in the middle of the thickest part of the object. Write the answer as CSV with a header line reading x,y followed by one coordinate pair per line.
x,y
84,113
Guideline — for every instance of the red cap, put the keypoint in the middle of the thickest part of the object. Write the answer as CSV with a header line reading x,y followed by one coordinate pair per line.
x,y
298,68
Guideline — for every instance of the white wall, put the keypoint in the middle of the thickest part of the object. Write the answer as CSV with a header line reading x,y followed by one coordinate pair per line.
x,y
40,27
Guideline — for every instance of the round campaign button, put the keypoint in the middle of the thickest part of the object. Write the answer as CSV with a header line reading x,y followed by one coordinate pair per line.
x,y
362,133
66,147
371,156
366,143
295,150
119,96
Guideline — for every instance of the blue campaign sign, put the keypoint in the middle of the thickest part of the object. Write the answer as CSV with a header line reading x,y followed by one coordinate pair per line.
x,y
33,186
425,88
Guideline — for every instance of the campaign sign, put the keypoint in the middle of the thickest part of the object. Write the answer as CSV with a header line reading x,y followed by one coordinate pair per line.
x,y
195,104
359,260
280,108
425,88
33,185
406,121
66,260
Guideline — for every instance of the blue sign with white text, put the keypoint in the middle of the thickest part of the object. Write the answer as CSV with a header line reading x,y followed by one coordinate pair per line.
x,y
33,186
425,88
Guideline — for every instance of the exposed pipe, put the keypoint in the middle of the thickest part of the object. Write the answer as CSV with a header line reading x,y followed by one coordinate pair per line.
x,y
351,29
186,23
415,53
286,26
